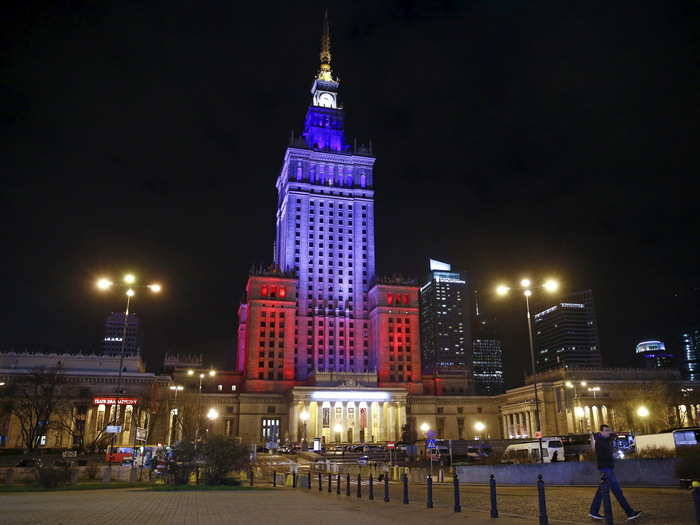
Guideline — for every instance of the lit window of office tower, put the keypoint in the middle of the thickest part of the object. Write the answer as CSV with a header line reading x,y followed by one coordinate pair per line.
x,y
566,333
444,307
114,331
487,354
690,354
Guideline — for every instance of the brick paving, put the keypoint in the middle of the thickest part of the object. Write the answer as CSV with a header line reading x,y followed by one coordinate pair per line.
x,y
284,506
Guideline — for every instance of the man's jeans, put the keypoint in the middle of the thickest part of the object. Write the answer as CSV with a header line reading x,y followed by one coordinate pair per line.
x,y
615,489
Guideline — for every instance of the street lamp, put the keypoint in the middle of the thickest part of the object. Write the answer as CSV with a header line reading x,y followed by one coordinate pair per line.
x,y
479,427
550,285
304,416
643,412
191,372
338,428
213,414
594,389
424,427
129,282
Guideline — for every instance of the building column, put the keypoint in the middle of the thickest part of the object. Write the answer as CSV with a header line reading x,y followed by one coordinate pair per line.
x,y
506,432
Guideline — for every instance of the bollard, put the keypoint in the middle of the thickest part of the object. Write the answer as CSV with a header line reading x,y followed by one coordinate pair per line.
x,y
455,483
274,478
696,500
329,483
371,487
320,482
337,485
607,505
404,480
429,488
252,478
386,489
308,480
544,520
347,485
494,507
359,485
294,480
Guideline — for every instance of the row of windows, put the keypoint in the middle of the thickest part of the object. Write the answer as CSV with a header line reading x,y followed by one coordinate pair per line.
x,y
330,204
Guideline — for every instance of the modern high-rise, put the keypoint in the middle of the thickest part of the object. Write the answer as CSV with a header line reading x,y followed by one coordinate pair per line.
x,y
114,332
690,354
444,318
653,354
566,333
487,354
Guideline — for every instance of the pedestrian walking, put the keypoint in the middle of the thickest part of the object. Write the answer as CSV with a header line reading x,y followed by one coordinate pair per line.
x,y
606,466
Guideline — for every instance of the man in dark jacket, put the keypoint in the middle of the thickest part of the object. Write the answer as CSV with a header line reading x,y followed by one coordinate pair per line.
x,y
606,464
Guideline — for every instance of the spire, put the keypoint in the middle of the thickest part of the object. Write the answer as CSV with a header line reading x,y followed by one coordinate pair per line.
x,y
324,72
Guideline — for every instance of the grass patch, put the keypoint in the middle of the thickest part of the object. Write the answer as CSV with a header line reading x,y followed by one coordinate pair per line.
x,y
78,486
168,488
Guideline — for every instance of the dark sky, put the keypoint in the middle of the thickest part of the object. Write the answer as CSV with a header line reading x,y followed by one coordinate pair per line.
x,y
547,138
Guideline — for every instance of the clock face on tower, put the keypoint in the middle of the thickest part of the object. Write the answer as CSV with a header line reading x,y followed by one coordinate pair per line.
x,y
326,100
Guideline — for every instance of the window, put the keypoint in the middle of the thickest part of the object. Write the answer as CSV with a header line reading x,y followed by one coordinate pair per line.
x,y
270,429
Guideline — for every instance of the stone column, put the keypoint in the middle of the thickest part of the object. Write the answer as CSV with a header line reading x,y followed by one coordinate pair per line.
x,y
294,421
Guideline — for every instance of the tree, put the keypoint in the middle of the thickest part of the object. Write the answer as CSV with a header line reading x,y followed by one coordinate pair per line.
x,y
222,455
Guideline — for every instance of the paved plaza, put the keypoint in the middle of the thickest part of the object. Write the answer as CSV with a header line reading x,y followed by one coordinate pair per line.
x,y
285,506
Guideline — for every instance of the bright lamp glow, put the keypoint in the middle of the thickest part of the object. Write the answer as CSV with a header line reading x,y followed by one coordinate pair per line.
x,y
584,383
212,414
338,428
104,283
424,427
551,285
525,283
643,411
212,373
155,287
527,293
129,278
304,416
578,411
190,372
569,384
479,426
349,395
130,292
502,289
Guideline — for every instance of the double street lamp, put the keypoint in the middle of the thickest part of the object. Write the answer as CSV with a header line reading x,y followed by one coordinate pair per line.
x,y
191,372
526,285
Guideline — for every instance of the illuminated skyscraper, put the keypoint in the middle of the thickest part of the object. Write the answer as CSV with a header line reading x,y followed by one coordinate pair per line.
x,y
114,332
487,354
653,354
690,354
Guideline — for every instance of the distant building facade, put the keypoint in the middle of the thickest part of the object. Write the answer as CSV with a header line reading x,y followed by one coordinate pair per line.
x,y
566,333
444,318
653,354
114,331
487,355
690,354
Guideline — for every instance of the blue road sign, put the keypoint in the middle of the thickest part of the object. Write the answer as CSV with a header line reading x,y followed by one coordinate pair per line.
x,y
430,443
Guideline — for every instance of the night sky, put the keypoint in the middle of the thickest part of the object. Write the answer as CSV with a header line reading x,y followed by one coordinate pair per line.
x,y
542,138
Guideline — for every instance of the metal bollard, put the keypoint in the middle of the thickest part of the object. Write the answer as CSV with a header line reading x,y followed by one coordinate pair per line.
x,y
359,485
274,478
404,479
347,485
494,507
696,500
252,478
308,480
371,487
337,485
320,482
386,489
329,483
455,483
607,505
544,520
294,480
429,488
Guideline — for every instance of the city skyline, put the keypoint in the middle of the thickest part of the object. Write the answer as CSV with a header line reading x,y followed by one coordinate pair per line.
x,y
182,228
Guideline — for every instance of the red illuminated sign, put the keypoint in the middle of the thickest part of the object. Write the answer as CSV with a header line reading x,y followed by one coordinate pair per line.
x,y
115,401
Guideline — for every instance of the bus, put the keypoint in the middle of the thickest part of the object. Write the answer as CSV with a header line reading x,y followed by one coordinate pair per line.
x,y
671,440
529,451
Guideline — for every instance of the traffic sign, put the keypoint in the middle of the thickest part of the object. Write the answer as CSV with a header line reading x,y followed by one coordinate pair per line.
x,y
538,434
430,443
390,445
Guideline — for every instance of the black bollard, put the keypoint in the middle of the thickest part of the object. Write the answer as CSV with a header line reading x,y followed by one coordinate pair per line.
x,y
404,479
308,480
386,489
607,505
294,480
544,520
371,487
347,485
274,478
252,478
320,482
455,483
696,500
359,485
494,507
329,483
337,484
429,489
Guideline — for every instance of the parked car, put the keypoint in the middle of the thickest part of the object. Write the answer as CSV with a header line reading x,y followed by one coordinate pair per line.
x,y
529,451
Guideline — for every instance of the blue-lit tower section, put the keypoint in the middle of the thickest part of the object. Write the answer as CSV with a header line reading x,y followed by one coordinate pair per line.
x,y
325,235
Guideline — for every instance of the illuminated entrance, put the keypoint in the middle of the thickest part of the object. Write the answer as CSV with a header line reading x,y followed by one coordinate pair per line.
x,y
347,415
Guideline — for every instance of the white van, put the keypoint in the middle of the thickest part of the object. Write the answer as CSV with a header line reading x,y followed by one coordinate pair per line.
x,y
529,451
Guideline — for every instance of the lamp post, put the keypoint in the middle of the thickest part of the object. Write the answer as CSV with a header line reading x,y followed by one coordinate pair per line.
x,y
551,286
479,427
128,282
578,410
304,416
212,416
643,412
174,412
338,428
190,372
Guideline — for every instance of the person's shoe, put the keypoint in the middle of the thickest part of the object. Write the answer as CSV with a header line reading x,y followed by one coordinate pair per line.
x,y
595,516
635,514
